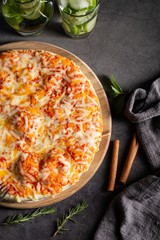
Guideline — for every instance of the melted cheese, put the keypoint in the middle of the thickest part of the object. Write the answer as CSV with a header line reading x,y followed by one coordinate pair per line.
x,y
50,123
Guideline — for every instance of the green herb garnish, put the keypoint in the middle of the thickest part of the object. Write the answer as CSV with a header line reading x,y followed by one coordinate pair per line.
x,y
69,216
117,90
118,95
20,218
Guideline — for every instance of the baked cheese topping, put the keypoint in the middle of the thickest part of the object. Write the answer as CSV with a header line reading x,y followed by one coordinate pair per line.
x,y
50,123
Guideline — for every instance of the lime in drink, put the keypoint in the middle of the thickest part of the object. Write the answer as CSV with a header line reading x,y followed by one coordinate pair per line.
x,y
78,16
27,17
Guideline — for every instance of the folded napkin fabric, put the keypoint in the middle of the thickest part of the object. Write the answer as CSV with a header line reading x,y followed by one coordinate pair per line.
x,y
143,109
135,213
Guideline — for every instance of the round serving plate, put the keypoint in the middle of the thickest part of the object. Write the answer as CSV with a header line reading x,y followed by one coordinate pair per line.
x,y
86,176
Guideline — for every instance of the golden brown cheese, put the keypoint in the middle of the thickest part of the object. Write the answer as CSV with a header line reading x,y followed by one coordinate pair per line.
x,y
50,123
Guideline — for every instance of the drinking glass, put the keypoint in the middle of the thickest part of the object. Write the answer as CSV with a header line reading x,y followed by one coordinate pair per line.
x,y
27,17
78,16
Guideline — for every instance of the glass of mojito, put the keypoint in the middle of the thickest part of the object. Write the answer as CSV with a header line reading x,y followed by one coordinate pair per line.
x,y
78,16
27,17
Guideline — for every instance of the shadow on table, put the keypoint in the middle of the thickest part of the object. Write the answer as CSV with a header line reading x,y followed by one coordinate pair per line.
x,y
56,28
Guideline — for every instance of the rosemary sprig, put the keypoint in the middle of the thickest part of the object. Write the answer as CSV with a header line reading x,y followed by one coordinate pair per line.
x,y
20,218
69,216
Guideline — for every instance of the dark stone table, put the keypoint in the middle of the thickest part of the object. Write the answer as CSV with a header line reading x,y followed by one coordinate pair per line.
x,y
125,43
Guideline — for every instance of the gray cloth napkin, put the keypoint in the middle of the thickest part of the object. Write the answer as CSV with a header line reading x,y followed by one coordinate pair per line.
x,y
135,213
143,109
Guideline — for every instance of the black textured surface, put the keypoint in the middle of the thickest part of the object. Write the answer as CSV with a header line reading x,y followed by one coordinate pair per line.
x,y
125,43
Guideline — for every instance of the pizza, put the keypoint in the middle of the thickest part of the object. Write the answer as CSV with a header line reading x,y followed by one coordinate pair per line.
x,y
50,124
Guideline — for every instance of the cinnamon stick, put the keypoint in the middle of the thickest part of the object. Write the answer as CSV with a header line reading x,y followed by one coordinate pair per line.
x,y
113,166
130,159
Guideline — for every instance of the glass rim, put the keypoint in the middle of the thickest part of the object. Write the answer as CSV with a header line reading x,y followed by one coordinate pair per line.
x,y
84,15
